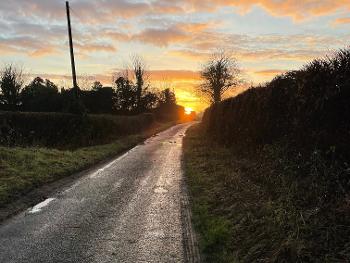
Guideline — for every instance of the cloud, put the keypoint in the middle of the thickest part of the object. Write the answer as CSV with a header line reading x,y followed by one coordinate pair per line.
x,y
115,35
247,48
85,11
95,12
26,45
190,54
161,37
341,21
279,54
45,51
269,72
174,75
186,31
91,47
296,9
6,49
180,32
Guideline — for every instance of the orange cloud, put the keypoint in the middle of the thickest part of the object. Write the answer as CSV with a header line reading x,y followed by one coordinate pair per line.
x,y
181,32
341,21
88,47
297,9
43,52
277,54
98,12
161,37
190,54
174,75
6,49
253,55
269,72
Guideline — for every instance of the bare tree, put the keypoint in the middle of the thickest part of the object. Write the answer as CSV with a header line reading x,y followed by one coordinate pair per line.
x,y
85,81
11,83
219,74
141,77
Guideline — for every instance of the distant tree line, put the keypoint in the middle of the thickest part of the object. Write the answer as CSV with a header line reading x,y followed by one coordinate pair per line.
x,y
127,96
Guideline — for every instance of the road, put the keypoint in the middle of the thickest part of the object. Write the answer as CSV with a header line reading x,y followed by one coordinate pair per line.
x,y
133,209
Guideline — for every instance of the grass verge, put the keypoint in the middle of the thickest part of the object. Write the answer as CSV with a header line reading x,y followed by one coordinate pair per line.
x,y
24,169
273,205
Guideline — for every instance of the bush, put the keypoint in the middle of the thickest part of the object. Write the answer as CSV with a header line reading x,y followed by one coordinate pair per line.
x,y
60,130
310,106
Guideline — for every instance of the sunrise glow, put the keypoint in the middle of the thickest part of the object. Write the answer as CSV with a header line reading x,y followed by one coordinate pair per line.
x,y
174,37
188,110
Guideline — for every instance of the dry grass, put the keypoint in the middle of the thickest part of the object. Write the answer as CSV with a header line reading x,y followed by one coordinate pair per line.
x,y
273,205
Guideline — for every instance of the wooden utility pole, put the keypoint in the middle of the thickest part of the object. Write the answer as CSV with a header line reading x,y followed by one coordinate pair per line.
x,y
74,76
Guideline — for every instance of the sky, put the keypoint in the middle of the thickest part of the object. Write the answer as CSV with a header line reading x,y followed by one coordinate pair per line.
x,y
175,37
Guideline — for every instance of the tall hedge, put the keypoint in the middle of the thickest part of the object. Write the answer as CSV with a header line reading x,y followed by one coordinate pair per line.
x,y
62,130
311,106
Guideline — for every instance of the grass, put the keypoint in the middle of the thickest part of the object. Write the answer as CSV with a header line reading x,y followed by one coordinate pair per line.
x,y
23,169
273,205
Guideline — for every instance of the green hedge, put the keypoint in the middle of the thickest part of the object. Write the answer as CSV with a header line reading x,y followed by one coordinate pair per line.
x,y
309,106
60,130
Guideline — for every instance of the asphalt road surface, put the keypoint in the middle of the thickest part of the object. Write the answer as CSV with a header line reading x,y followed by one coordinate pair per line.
x,y
133,209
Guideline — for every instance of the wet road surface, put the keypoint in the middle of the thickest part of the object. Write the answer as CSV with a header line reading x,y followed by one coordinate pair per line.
x,y
129,210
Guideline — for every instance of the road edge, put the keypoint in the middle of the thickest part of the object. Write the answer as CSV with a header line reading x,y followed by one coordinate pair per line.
x,y
190,241
41,193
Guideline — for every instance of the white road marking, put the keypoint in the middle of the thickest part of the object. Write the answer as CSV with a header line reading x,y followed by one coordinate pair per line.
x,y
99,171
37,208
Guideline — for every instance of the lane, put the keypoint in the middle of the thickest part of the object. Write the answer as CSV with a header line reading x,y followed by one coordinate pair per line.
x,y
130,210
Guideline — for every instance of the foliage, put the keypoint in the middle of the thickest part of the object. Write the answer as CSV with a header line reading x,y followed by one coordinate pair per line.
x,y
72,102
127,100
309,105
62,130
167,97
11,82
127,97
99,100
219,74
41,95
284,184
167,109
140,75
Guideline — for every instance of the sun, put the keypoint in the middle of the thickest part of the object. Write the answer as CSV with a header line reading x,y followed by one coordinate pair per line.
x,y
188,110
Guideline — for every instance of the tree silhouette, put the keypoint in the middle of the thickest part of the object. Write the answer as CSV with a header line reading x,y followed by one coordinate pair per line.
x,y
125,101
11,82
96,86
148,101
41,95
219,74
167,109
167,97
139,70
99,99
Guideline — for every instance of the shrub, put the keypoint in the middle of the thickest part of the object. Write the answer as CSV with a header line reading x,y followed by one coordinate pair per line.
x,y
310,106
60,130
